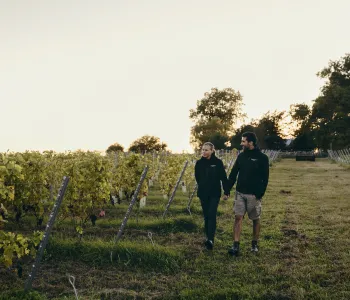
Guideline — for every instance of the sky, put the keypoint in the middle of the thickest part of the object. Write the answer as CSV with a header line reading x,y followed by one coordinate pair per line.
x,y
82,74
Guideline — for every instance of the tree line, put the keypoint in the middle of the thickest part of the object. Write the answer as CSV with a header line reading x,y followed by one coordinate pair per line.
x,y
323,125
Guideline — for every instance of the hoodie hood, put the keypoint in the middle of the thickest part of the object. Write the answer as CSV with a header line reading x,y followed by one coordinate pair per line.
x,y
212,157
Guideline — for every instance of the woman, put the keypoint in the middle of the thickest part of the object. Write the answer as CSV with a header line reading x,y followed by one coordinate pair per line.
x,y
209,173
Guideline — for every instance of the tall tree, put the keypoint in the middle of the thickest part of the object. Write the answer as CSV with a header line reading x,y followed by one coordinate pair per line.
x,y
236,138
147,143
221,108
304,137
213,131
224,104
299,112
271,123
270,130
330,117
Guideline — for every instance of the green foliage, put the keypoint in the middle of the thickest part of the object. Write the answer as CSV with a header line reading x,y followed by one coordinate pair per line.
x,y
303,247
170,225
213,130
34,190
225,105
131,254
304,142
14,246
299,112
127,174
89,186
147,143
215,116
327,124
21,295
235,140
268,129
10,173
170,173
271,123
115,148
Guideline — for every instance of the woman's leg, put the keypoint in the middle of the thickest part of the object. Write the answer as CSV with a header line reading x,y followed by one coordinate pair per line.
x,y
205,206
212,211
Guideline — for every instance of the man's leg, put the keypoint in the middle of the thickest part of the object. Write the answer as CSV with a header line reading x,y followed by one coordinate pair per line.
x,y
237,228
239,210
256,229
254,212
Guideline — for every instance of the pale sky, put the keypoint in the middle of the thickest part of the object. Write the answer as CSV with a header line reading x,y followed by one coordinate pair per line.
x,y
85,74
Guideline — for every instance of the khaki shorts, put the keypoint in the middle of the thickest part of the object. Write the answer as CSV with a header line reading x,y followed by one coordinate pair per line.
x,y
247,203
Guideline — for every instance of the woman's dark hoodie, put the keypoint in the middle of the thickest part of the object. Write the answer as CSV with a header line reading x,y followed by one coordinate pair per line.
x,y
209,173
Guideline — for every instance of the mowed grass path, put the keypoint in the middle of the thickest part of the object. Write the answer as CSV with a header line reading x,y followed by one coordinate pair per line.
x,y
304,247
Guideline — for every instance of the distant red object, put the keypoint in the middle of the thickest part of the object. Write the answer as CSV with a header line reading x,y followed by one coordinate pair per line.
x,y
102,213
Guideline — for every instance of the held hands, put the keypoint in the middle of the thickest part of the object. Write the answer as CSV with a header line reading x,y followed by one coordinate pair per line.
x,y
225,197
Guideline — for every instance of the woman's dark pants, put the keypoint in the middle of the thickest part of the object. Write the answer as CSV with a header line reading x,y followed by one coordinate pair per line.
x,y
210,208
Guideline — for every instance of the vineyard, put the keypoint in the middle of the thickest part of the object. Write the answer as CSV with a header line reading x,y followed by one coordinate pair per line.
x,y
341,156
102,247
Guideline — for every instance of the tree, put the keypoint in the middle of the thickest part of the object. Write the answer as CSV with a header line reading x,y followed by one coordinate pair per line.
x,y
304,137
300,114
304,142
274,142
115,148
271,123
213,131
330,116
215,116
269,130
147,143
224,104
236,138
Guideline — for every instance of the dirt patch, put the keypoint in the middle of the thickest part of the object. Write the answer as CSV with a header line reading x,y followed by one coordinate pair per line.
x,y
285,192
293,233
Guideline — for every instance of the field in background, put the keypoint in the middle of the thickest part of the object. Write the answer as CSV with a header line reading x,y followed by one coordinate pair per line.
x,y
304,247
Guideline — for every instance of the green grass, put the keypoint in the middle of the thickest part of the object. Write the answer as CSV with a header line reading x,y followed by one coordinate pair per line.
x,y
98,253
304,247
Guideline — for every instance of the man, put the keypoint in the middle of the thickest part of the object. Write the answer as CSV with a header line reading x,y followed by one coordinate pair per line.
x,y
252,168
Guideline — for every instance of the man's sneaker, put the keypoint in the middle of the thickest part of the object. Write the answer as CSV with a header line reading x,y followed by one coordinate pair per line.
x,y
209,245
233,251
254,248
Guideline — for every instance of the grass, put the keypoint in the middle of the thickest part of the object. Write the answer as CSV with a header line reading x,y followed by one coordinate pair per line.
x,y
304,247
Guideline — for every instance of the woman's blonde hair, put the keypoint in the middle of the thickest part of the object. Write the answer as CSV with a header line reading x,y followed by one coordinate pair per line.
x,y
211,145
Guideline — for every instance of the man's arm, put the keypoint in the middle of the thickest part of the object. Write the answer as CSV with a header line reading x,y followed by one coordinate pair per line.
x,y
233,175
265,172
223,178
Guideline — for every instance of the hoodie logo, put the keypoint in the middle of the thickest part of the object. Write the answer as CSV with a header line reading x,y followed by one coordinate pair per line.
x,y
253,159
213,166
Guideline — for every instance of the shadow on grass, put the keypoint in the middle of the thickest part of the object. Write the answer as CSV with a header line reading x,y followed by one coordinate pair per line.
x,y
122,254
160,226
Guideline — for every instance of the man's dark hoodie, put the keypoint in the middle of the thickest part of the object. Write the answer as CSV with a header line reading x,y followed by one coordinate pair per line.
x,y
209,173
252,167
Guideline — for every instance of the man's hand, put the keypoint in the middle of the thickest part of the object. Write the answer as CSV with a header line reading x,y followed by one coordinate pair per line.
x,y
258,197
225,197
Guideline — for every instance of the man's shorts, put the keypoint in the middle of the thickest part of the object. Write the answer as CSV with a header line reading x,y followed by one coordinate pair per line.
x,y
247,203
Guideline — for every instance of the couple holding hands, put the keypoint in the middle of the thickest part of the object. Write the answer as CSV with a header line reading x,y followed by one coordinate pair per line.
x,y
252,168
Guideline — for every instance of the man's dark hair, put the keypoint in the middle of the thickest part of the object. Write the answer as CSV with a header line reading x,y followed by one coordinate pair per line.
x,y
251,137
